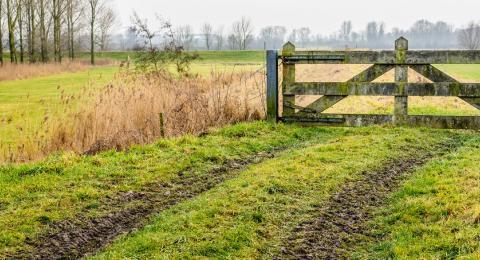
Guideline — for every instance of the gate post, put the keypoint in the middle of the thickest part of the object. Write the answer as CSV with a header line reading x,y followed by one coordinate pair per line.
x,y
288,78
272,85
400,113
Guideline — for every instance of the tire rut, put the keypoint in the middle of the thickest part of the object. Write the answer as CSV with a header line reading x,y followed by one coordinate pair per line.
x,y
83,236
341,223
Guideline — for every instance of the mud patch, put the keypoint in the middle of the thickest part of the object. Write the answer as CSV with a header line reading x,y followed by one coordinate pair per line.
x,y
73,239
341,223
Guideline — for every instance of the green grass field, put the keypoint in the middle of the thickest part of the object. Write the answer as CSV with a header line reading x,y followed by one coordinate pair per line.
x,y
215,57
250,190
253,210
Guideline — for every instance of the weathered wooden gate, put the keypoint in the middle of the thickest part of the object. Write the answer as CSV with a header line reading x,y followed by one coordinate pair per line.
x,y
361,85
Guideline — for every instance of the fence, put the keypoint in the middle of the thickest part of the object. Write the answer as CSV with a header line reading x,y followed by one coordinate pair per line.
x,y
400,59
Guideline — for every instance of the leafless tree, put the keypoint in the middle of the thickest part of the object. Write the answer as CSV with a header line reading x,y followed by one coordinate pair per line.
x,y
13,14
219,38
273,36
207,31
469,37
106,21
75,11
346,31
301,36
95,9
43,30
58,8
1,32
184,36
242,33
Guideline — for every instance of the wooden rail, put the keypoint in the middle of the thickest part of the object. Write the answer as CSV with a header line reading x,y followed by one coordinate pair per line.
x,y
401,59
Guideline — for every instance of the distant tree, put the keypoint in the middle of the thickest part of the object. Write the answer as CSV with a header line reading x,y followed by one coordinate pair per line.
x,y
13,15
42,5
75,11
421,34
372,32
469,37
355,37
232,42
300,36
273,36
58,9
95,8
219,38
242,33
1,32
184,36
444,35
207,31
346,31
106,21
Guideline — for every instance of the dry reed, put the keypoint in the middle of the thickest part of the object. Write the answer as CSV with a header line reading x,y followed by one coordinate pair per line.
x,y
25,71
128,111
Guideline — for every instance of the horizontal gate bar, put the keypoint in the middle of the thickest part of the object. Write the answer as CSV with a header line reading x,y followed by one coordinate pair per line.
x,y
443,89
383,57
443,122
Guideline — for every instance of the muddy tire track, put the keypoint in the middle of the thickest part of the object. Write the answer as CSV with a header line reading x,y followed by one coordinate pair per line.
x,y
342,222
83,236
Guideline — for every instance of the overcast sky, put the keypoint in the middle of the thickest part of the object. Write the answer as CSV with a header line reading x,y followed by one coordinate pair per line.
x,y
322,16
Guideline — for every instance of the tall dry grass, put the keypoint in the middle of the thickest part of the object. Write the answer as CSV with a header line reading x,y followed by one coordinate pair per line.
x,y
25,71
127,111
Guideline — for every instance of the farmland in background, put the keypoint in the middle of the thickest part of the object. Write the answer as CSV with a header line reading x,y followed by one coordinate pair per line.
x,y
26,105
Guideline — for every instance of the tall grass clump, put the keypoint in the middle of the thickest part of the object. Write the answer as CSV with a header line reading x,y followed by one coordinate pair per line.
x,y
137,108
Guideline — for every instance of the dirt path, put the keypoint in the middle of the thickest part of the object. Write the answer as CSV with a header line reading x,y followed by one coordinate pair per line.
x,y
341,223
73,239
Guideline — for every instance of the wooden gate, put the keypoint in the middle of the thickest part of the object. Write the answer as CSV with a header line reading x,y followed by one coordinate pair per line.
x,y
401,59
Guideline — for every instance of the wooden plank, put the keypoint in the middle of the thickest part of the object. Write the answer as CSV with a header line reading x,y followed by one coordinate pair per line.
x,y
442,122
272,85
339,120
472,101
443,89
372,73
400,111
383,57
354,57
432,73
322,104
445,122
288,78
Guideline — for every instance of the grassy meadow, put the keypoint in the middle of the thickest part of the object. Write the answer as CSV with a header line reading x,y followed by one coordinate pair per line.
x,y
195,175
253,212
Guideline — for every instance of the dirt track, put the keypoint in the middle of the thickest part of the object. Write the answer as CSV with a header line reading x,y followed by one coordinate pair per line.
x,y
83,236
341,223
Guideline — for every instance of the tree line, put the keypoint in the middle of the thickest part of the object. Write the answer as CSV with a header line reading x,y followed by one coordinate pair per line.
x,y
50,30
240,35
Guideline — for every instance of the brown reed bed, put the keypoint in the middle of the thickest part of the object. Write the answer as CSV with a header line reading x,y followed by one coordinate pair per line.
x,y
139,109
31,70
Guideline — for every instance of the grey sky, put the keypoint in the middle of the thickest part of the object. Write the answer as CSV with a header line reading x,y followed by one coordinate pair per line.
x,y
321,16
